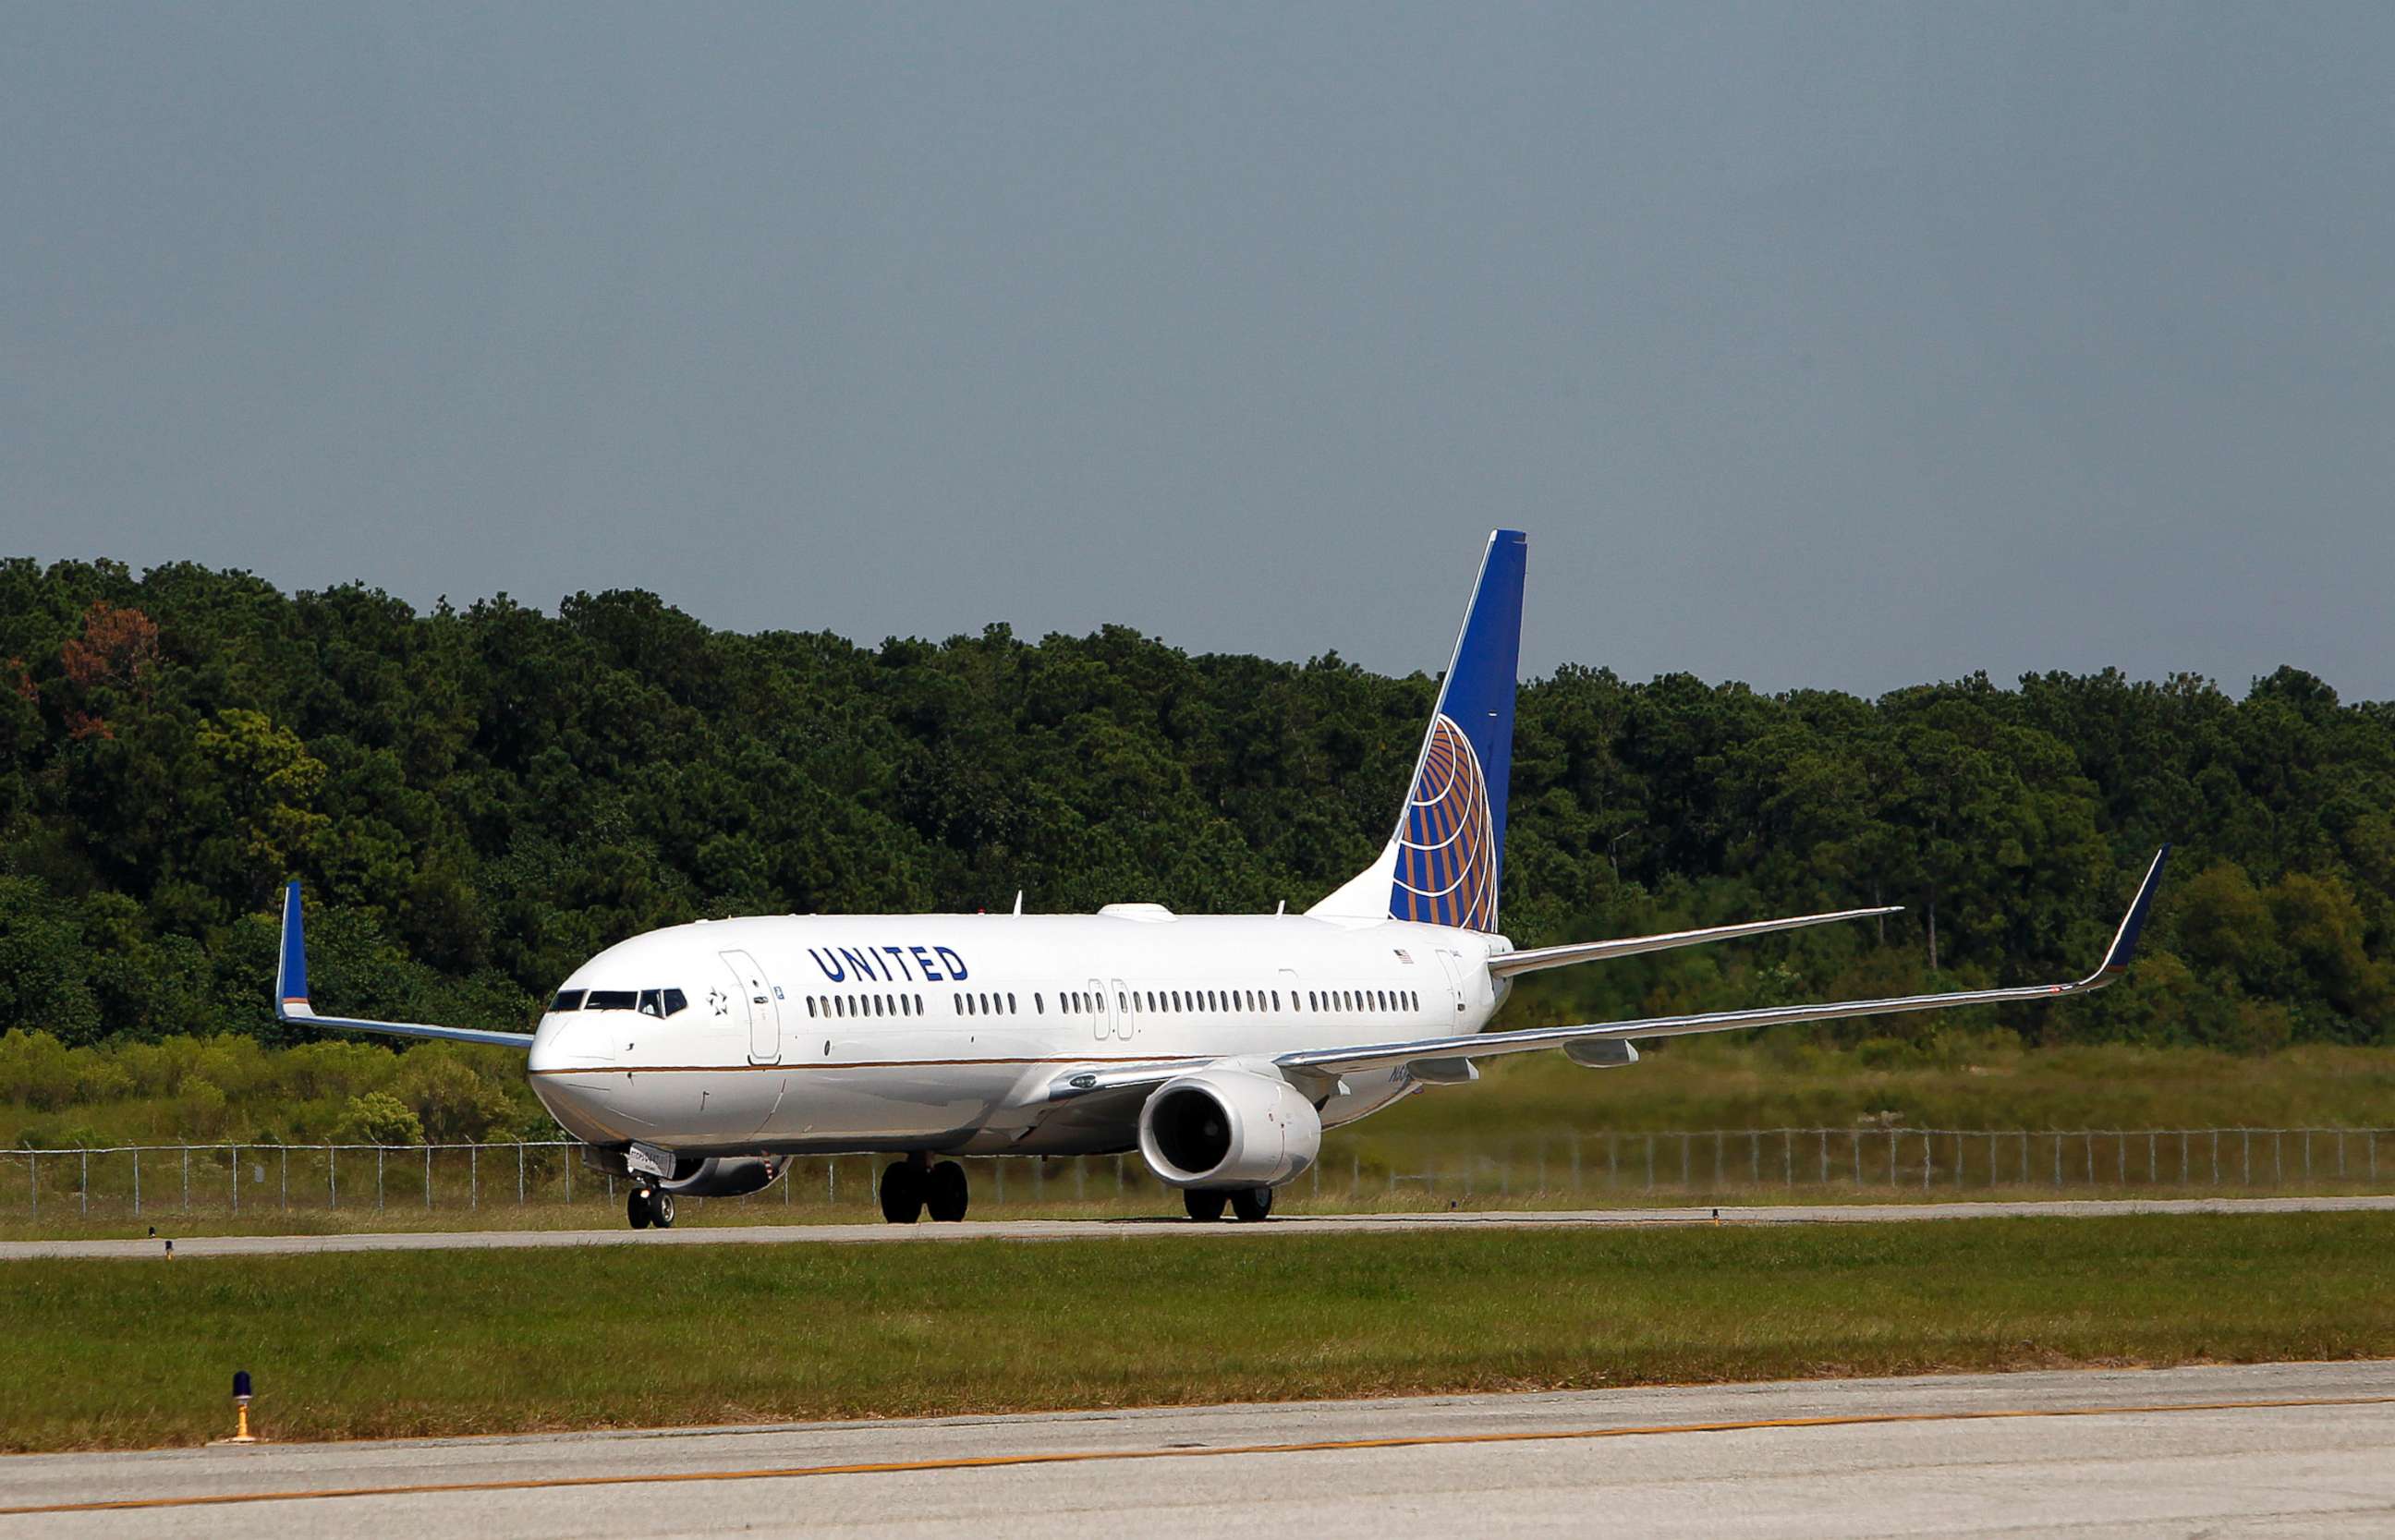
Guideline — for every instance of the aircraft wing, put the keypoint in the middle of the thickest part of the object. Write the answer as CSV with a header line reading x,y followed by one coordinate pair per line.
x,y
1486,1044
1506,963
291,995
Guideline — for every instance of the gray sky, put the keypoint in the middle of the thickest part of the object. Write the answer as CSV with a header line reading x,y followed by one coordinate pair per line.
x,y
1837,346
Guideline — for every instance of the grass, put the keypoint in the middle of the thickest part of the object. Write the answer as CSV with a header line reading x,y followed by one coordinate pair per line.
x,y
121,1354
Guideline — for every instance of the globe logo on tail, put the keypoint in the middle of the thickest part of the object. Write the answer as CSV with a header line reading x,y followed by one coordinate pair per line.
x,y
1446,859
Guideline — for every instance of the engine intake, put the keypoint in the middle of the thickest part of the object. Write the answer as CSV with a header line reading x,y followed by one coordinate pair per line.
x,y
1225,1126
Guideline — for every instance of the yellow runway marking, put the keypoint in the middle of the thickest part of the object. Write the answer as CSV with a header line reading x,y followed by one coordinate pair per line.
x,y
985,1462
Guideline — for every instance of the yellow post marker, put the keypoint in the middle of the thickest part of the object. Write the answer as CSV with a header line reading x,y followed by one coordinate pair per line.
x,y
241,1402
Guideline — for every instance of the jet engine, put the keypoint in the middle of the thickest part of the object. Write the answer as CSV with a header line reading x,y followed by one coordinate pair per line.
x,y
1228,1125
722,1175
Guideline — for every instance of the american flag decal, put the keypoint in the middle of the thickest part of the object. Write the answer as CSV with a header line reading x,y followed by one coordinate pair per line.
x,y
1447,859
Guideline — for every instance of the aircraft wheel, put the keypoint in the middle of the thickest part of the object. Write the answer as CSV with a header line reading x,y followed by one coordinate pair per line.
x,y
1204,1204
950,1194
902,1193
1252,1203
661,1210
635,1208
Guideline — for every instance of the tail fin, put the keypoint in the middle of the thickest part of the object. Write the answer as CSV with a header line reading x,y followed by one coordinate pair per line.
x,y
1444,863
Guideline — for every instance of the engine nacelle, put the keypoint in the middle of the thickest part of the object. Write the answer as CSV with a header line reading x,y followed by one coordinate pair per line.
x,y
722,1175
1225,1125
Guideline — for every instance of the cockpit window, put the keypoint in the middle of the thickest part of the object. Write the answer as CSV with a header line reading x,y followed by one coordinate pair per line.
x,y
652,1003
612,999
567,999
676,1001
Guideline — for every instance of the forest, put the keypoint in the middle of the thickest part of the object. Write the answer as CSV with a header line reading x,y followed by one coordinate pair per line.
x,y
478,798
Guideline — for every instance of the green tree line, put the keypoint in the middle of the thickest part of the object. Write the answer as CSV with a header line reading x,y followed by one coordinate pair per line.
x,y
479,799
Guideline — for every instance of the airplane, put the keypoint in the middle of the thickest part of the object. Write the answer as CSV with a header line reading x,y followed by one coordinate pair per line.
x,y
700,1058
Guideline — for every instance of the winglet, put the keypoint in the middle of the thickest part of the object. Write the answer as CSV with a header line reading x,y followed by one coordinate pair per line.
x,y
291,976
2124,941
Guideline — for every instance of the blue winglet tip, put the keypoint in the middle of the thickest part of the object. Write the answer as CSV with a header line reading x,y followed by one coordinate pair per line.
x,y
291,977
2124,941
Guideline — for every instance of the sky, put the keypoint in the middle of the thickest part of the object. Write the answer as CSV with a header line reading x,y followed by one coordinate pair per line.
x,y
1830,345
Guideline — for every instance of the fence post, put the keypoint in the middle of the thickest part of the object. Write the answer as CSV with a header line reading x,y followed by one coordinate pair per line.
x,y
1684,1140
519,1174
84,1196
285,1151
428,1177
2248,1134
2216,1157
1612,1160
34,1180
569,1154
474,1176
1895,1156
379,1156
137,1181
2182,1157
332,1179
236,1180
1754,1156
2058,1160
187,1178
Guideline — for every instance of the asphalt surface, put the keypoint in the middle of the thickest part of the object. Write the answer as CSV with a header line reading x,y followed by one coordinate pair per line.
x,y
1081,1230
2299,1449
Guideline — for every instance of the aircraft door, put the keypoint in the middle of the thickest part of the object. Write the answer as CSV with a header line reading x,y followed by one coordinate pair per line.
x,y
1454,967
757,995
1101,1011
1125,1019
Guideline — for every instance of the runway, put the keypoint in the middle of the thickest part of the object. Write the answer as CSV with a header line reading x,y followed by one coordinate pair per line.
x,y
1136,1229
2281,1450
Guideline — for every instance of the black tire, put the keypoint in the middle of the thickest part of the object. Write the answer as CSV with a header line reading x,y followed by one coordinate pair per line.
x,y
636,1207
661,1210
1204,1204
948,1194
1252,1205
902,1193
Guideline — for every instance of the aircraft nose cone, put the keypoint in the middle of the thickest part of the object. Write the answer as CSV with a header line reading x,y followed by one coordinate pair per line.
x,y
568,1069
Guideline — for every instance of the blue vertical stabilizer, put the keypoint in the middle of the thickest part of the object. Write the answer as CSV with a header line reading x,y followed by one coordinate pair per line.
x,y
1444,863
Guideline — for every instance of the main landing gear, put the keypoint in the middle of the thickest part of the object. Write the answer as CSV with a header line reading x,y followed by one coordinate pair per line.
x,y
649,1205
1249,1203
912,1186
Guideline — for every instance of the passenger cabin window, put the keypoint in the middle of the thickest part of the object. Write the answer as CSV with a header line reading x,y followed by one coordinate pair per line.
x,y
567,999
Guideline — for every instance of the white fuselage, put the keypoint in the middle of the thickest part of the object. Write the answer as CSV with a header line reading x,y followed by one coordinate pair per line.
x,y
943,1033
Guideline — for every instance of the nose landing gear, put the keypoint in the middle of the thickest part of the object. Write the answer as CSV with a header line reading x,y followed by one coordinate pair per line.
x,y
649,1205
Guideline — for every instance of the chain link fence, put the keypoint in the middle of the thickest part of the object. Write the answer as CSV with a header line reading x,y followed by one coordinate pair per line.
x,y
231,1180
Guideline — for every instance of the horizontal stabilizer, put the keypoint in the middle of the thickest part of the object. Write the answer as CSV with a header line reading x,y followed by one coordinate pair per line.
x,y
1506,963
